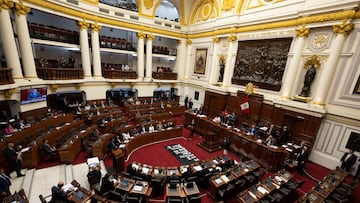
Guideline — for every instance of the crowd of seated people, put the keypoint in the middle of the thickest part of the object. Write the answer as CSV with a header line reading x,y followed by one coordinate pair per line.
x,y
160,50
54,63
161,69
131,6
53,33
112,66
115,43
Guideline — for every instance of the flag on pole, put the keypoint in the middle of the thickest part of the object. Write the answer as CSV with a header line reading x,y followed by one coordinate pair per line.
x,y
245,107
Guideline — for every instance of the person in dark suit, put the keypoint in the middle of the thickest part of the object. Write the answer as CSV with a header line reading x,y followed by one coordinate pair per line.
x,y
186,101
106,184
4,185
48,149
192,128
58,195
271,130
302,158
348,160
226,145
284,135
13,158
253,130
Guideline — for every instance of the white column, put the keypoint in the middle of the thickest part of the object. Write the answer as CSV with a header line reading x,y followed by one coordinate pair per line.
x,y
95,28
27,56
188,60
288,87
214,62
84,48
229,68
331,64
149,41
140,55
180,56
8,41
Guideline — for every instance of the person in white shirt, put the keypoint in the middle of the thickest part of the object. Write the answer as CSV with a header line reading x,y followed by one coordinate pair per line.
x,y
151,128
126,135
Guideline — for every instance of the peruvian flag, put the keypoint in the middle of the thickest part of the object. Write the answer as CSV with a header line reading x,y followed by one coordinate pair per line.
x,y
244,106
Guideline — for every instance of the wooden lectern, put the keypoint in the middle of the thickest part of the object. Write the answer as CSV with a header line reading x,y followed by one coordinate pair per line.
x,y
118,159
211,142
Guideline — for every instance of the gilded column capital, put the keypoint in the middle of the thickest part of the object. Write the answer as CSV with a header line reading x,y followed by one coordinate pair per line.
x,y
83,25
179,41
21,9
216,39
344,28
6,4
302,32
232,38
148,4
141,35
150,37
188,41
95,27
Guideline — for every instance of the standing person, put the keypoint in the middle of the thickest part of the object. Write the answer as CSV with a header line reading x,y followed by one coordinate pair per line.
x,y
71,62
226,145
348,160
284,135
302,158
192,128
186,101
190,103
13,158
4,185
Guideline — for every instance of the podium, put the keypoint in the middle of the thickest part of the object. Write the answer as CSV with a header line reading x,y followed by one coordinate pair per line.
x,y
118,159
211,142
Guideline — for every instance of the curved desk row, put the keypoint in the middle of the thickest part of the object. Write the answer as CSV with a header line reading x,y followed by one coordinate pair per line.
x,y
269,157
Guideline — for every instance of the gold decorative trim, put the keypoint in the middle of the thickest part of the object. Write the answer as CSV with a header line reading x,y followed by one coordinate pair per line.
x,y
8,93
96,2
313,60
216,39
141,35
21,9
83,25
188,41
285,97
150,37
148,4
302,32
179,41
302,99
228,5
95,27
6,4
344,29
239,6
319,103
232,38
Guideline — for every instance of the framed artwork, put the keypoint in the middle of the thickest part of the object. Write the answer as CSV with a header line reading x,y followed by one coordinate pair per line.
x,y
357,87
200,61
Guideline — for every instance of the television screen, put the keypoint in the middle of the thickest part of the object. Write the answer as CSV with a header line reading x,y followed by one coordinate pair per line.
x,y
33,95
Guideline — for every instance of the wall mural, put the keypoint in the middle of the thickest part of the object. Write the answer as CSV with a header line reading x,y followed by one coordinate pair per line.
x,y
261,62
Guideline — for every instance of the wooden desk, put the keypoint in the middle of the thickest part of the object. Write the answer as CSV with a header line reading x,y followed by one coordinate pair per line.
x,y
191,191
174,192
140,187
125,184
80,195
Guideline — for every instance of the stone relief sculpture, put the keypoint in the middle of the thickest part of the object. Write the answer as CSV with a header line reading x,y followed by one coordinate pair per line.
x,y
261,62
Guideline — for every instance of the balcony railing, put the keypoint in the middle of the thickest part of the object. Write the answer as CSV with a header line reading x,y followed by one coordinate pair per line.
x,y
119,74
6,76
60,73
164,76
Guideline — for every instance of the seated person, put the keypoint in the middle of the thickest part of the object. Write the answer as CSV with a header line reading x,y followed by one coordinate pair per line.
x,y
126,135
271,130
112,144
9,130
151,128
48,149
58,195
270,140
94,175
217,119
253,130
106,184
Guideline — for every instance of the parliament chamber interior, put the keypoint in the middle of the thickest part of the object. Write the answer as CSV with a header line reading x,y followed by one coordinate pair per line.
x,y
179,101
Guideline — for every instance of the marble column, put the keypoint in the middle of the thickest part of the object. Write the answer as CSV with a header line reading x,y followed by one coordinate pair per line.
x,y
188,59
149,42
95,28
229,68
180,59
8,40
84,48
327,74
140,55
288,87
213,78
27,56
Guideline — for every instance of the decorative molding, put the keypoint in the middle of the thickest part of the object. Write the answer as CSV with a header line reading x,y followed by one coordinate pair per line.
x,y
188,41
8,93
83,25
95,27
150,37
141,35
232,38
179,41
6,5
21,9
216,39
302,32
148,4
319,41
96,2
344,29
228,5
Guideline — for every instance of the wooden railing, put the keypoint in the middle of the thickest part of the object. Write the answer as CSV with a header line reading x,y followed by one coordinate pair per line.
x,y
60,73
5,76
164,76
119,74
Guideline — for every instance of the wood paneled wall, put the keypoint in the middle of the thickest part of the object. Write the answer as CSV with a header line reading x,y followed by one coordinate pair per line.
x,y
303,127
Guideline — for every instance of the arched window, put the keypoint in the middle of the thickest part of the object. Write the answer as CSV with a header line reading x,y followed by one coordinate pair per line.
x,y
167,10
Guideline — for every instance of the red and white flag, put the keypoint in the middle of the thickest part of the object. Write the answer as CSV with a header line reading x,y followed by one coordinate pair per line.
x,y
245,106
